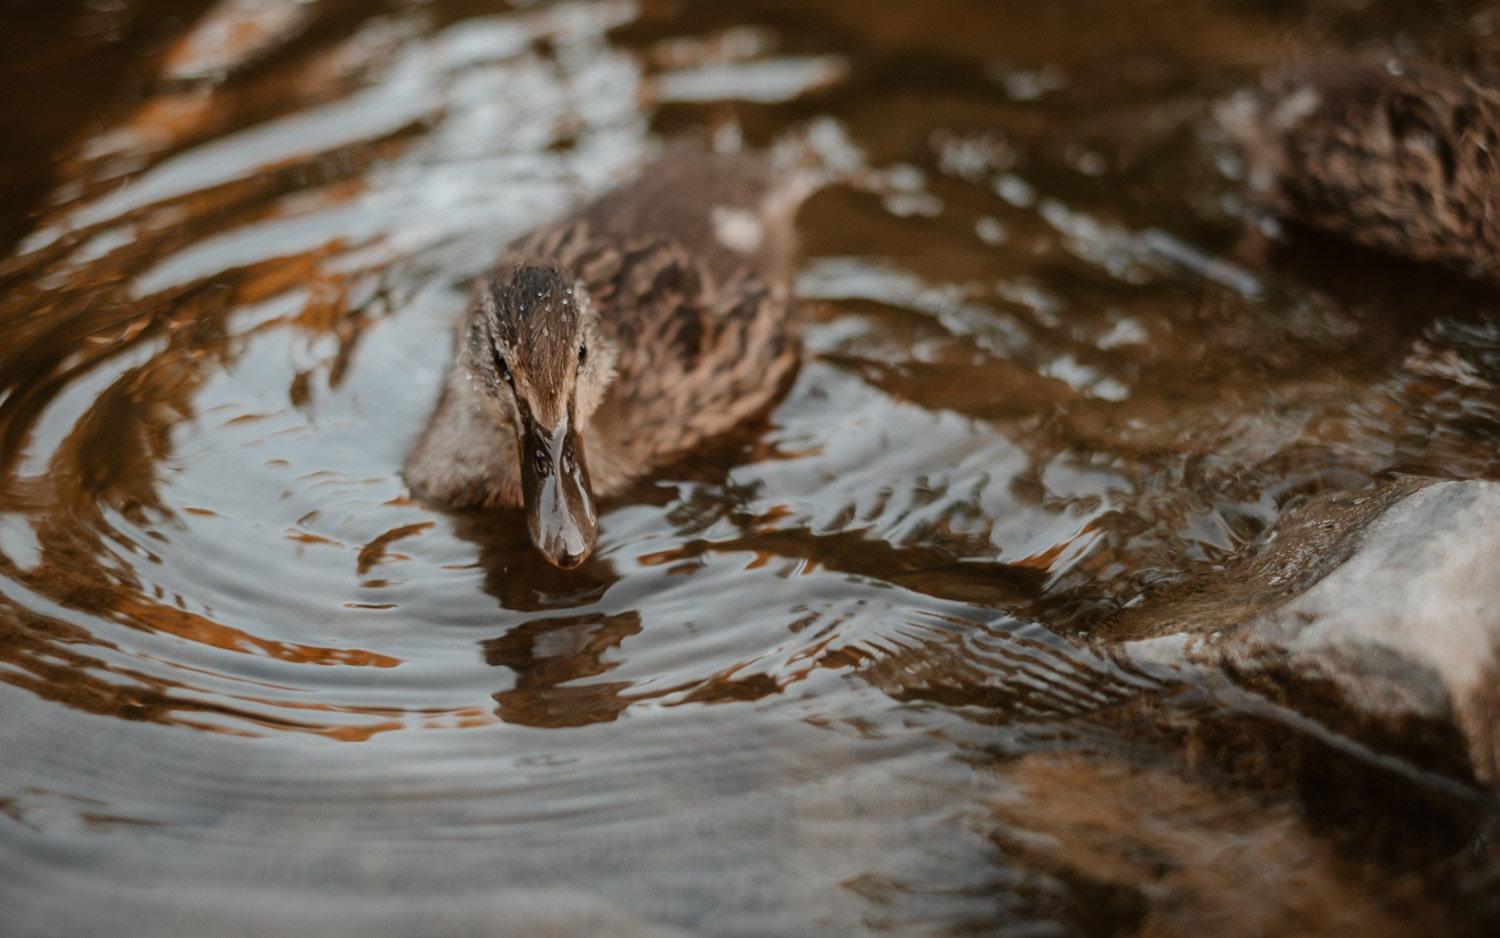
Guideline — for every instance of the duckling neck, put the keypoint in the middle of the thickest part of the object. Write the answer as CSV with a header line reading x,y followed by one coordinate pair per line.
x,y
467,455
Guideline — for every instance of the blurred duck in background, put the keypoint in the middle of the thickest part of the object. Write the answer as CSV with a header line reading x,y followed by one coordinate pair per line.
x,y
1396,156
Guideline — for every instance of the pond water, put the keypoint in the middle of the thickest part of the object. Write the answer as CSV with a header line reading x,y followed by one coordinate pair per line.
x,y
834,676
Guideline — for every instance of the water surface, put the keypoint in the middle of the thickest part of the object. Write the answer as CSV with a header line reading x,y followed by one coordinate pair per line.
x,y
833,676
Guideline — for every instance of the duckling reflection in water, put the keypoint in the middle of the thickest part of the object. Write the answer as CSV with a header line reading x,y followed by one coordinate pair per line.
x,y
1395,156
601,346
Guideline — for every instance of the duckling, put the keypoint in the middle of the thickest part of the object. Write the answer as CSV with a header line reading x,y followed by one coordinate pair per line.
x,y
603,345
1396,156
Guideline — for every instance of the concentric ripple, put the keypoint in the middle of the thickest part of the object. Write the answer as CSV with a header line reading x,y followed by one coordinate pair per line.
x,y
832,677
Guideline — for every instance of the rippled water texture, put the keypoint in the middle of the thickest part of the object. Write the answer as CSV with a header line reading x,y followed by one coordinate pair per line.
x,y
832,677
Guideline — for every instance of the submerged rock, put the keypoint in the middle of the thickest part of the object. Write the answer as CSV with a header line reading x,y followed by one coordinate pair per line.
x,y
1380,609
1178,856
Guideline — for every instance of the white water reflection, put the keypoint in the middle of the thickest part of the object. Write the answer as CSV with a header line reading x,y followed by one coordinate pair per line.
x,y
769,80
496,109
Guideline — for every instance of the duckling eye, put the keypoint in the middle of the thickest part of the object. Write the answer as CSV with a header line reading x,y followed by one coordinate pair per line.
x,y
583,353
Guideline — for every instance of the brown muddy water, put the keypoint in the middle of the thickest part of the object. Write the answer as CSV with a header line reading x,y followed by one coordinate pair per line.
x,y
832,677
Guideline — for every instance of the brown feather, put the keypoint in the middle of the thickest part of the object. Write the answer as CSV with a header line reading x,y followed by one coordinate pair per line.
x,y
700,330
1396,156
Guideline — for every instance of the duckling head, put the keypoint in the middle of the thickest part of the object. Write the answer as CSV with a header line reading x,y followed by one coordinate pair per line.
x,y
536,348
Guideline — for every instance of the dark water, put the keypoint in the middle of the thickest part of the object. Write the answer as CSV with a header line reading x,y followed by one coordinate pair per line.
x,y
834,677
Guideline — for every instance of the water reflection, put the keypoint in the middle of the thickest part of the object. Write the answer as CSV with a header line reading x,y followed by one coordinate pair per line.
x,y
547,654
831,674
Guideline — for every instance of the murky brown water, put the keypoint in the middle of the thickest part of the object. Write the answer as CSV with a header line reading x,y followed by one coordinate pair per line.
x,y
832,678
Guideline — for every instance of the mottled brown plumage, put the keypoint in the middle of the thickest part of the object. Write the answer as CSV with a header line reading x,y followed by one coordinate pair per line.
x,y
1396,156
605,344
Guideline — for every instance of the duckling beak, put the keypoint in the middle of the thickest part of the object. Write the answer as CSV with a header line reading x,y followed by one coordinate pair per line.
x,y
555,487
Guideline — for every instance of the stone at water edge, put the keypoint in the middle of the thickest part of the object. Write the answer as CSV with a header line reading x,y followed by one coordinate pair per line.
x,y
1388,600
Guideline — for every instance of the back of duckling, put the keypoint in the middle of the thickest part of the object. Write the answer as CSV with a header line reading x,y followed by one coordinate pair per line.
x,y
1399,157
623,336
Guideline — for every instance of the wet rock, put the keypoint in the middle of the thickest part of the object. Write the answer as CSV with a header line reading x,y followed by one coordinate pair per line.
x,y
1378,609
